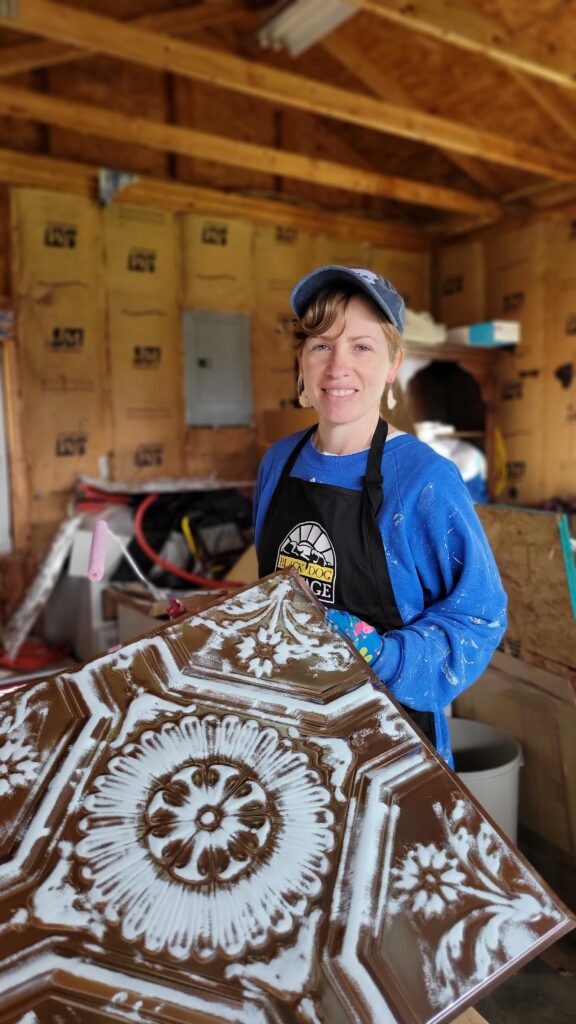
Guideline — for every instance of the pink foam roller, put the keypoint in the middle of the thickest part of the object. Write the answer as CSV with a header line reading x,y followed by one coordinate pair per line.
x,y
98,551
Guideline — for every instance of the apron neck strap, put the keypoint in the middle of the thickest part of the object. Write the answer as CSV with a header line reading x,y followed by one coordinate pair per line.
x,y
373,481
288,465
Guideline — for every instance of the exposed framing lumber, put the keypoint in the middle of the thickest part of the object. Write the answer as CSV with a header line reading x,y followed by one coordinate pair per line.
x,y
352,56
556,106
141,46
158,135
455,22
38,171
174,21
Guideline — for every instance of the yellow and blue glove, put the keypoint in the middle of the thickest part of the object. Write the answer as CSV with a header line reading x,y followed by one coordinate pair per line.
x,y
365,638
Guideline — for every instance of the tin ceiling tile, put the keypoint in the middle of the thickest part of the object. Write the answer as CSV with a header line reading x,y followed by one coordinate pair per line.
x,y
226,822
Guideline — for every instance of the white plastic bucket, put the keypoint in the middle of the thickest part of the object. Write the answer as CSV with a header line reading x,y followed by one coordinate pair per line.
x,y
488,762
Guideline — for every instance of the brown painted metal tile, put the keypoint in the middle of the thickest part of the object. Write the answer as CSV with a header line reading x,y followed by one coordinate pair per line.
x,y
226,822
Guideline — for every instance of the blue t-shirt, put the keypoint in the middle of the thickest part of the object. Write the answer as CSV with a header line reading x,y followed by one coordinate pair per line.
x,y
443,574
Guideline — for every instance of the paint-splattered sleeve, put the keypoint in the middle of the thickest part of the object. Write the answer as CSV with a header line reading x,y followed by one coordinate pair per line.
x,y
447,644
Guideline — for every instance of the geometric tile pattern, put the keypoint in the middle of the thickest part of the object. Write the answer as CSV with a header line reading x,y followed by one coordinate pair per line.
x,y
226,822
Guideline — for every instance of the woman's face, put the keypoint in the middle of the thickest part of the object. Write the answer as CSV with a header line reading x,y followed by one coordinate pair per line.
x,y
346,369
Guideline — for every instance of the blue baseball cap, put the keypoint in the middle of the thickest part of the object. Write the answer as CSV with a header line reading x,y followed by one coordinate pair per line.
x,y
378,288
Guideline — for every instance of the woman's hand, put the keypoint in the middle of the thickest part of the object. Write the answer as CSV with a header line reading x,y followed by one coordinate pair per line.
x,y
366,640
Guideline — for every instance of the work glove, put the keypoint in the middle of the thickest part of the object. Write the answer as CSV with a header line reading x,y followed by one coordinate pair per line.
x,y
365,638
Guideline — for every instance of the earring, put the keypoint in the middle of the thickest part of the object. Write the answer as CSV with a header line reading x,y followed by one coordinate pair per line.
x,y
303,400
390,397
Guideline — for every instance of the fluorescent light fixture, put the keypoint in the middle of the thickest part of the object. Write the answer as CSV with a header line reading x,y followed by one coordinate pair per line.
x,y
302,23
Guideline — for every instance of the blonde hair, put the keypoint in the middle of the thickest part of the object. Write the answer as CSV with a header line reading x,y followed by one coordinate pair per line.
x,y
323,310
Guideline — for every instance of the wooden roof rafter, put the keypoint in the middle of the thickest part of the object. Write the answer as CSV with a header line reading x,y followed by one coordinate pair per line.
x,y
141,46
92,120
39,171
174,21
457,23
350,54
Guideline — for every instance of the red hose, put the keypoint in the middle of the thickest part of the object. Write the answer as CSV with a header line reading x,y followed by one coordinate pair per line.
x,y
191,577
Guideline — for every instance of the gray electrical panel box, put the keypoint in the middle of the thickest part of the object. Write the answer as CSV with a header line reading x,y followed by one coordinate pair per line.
x,y
217,368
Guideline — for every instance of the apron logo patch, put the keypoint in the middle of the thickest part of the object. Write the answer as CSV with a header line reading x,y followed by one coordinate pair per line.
x,y
309,550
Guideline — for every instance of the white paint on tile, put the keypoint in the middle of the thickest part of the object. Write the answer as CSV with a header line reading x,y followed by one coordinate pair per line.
x,y
288,974
225,851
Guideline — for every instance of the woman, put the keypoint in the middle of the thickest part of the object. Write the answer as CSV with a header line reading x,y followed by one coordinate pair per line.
x,y
381,527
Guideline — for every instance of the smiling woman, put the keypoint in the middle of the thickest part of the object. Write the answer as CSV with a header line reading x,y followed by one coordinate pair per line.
x,y
381,527
346,360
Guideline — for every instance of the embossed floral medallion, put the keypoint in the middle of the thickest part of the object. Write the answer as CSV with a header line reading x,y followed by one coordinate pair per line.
x,y
19,759
208,836
432,882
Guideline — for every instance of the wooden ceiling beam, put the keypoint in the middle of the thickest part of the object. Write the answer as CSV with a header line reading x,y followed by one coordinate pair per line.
x,y
455,22
34,170
351,54
141,46
16,60
158,135
560,109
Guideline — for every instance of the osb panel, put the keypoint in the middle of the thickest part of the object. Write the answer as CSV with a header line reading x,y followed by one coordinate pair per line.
x,y
125,88
528,549
541,21
453,82
226,821
223,112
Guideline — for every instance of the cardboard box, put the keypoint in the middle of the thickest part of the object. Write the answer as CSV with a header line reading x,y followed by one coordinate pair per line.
x,y
459,284
217,264
138,614
490,334
539,709
409,272
245,570
140,251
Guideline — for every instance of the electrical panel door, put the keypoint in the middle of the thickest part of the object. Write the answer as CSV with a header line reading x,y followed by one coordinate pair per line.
x,y
217,368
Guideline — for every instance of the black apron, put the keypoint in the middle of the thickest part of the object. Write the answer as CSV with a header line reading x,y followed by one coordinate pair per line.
x,y
331,536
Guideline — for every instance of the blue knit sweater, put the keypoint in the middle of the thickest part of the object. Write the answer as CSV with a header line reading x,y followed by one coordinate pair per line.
x,y
445,580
